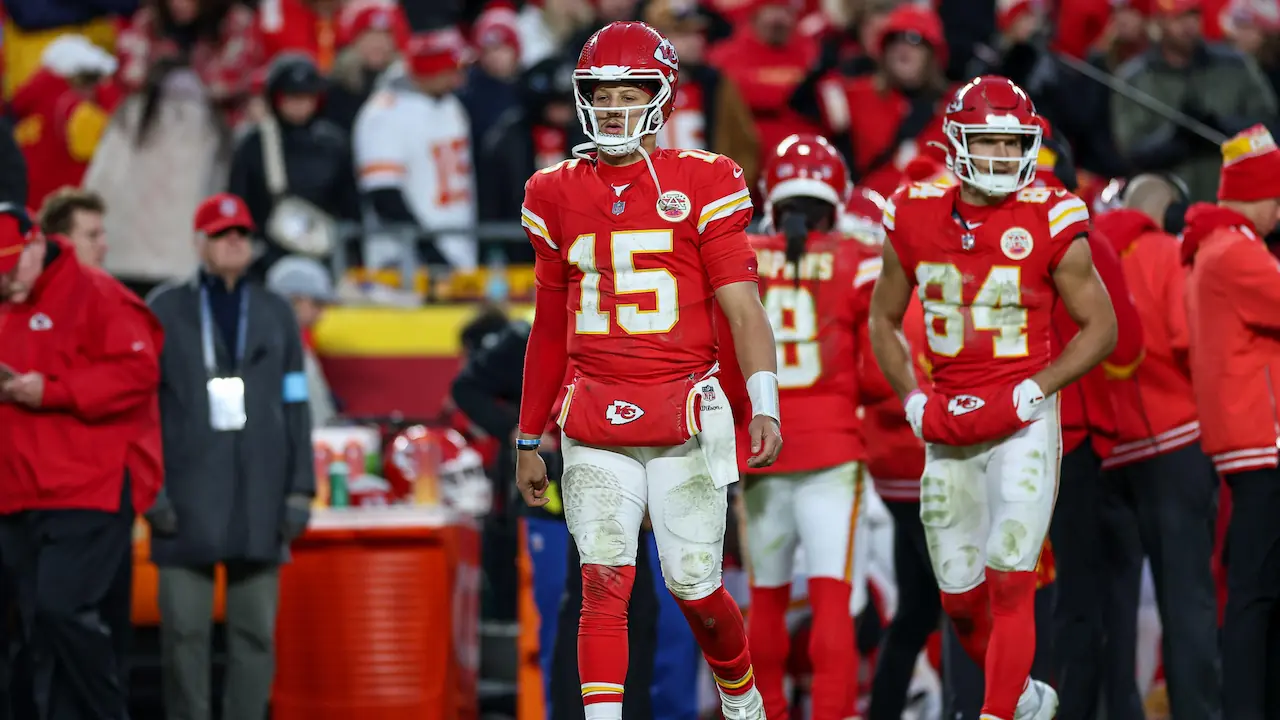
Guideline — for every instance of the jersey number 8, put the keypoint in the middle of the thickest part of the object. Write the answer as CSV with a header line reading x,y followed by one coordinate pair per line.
x,y
627,280
996,308
795,328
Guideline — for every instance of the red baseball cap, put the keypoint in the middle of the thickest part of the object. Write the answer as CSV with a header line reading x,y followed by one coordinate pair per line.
x,y
222,212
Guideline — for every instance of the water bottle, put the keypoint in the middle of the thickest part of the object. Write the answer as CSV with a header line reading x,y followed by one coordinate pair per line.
x,y
339,474
497,289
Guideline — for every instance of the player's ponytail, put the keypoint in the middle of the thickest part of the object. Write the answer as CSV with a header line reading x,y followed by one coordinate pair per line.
x,y
795,228
796,218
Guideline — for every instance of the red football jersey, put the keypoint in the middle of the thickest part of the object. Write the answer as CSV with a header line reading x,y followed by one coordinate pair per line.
x,y
987,308
641,272
817,325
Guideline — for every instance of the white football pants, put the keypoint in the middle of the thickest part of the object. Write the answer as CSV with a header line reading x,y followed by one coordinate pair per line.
x,y
816,510
989,505
606,492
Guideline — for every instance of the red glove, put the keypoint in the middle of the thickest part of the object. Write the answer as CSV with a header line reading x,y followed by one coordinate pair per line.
x,y
972,418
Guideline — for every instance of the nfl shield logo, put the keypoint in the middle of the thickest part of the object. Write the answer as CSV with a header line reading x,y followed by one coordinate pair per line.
x,y
709,393
618,207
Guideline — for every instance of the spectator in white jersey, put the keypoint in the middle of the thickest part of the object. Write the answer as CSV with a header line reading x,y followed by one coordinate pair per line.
x,y
413,155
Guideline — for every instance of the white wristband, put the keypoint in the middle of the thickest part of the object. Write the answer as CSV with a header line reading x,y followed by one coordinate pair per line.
x,y
762,388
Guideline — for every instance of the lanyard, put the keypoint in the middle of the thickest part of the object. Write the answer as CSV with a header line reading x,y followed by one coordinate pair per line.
x,y
206,331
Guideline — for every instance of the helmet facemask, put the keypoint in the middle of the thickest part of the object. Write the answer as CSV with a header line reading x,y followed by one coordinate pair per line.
x,y
977,170
651,114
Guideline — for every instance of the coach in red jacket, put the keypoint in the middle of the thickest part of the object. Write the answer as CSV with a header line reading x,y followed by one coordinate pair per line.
x,y
1233,304
1159,485
79,362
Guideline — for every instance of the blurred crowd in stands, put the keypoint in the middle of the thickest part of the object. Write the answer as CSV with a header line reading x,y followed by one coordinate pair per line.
x,y
379,136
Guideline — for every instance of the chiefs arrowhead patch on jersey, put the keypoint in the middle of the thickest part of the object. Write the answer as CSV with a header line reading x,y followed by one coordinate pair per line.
x,y
621,412
962,404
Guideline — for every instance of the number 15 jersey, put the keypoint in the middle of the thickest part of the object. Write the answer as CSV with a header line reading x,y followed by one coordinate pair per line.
x,y
640,270
988,297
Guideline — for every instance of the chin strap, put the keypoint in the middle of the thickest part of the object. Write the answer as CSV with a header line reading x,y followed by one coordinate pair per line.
x,y
582,151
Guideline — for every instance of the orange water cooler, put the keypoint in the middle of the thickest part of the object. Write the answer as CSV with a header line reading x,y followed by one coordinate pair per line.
x,y
379,617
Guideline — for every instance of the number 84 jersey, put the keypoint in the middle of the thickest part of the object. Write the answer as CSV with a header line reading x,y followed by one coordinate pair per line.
x,y
984,275
820,327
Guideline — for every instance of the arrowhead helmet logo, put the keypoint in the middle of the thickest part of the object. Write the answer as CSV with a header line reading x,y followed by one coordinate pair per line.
x,y
962,404
621,412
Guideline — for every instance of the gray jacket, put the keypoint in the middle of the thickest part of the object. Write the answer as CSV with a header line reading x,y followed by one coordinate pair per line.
x,y
229,488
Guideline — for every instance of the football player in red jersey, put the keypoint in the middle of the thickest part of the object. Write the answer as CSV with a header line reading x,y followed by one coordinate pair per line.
x,y
988,258
635,247
816,284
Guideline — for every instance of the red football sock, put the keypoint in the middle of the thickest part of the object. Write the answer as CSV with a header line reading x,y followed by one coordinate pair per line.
x,y
833,650
602,637
770,646
970,612
1013,640
717,625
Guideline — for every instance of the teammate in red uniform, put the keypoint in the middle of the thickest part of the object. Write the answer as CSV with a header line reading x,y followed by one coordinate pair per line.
x,y
816,283
988,258
635,246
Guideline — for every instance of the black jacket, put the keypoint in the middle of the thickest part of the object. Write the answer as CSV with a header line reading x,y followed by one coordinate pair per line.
x,y
229,488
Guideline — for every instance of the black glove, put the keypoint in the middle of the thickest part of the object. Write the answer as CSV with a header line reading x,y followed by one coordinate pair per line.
x,y
297,513
162,517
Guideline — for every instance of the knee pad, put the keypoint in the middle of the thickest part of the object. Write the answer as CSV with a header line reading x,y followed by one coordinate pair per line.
x,y
593,503
694,515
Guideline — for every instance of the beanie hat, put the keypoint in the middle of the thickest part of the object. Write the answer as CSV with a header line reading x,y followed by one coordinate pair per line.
x,y
1250,167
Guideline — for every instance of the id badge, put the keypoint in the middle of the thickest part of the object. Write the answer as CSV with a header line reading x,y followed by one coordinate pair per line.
x,y
226,404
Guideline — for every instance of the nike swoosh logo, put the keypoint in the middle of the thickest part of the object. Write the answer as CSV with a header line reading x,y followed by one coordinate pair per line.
x,y
737,172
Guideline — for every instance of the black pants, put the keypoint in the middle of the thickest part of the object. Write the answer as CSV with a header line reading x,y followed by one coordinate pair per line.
x,y
642,640
1080,590
1164,509
1250,642
62,564
918,615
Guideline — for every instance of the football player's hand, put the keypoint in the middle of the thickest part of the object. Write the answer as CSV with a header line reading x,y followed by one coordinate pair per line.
x,y
531,478
914,407
1027,397
766,441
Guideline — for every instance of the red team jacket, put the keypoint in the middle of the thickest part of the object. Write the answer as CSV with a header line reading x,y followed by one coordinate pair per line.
x,y
1155,408
1232,295
820,326
974,341
1087,405
98,347
638,281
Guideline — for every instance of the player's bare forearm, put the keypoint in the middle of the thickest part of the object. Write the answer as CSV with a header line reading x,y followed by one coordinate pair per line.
x,y
1086,300
749,325
889,302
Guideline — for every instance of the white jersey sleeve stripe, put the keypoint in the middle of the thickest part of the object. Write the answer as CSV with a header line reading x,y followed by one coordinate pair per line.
x,y
868,271
1060,223
723,208
887,218
537,226
1071,205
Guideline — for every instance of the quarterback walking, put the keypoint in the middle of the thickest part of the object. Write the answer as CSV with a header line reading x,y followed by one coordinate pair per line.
x,y
988,259
635,247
